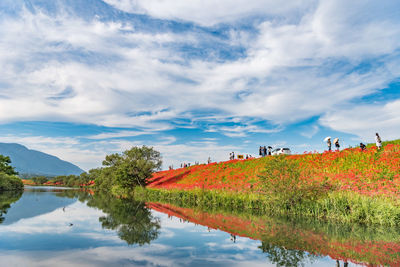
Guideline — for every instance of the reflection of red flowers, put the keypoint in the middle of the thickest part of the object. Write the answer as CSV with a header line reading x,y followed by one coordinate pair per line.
x,y
364,172
356,250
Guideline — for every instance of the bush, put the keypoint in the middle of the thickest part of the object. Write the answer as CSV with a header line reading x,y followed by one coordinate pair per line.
x,y
10,182
283,182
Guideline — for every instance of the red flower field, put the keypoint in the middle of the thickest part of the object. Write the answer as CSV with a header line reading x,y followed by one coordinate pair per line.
x,y
368,172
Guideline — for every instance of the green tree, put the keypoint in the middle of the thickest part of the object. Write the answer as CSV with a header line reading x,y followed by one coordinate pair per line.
x,y
5,166
133,167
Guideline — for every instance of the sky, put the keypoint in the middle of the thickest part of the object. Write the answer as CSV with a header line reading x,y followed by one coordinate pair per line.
x,y
196,79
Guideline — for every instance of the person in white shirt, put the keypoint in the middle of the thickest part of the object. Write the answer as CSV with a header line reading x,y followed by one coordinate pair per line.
x,y
378,141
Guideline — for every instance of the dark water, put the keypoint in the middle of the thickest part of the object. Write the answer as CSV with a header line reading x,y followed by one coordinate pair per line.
x,y
47,227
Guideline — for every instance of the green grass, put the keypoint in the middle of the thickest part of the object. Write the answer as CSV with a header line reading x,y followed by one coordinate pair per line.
x,y
336,206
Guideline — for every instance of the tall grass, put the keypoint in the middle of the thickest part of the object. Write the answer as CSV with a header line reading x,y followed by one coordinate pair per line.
x,y
335,206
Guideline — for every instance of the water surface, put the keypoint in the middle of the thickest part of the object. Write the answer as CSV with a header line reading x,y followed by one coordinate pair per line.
x,y
55,227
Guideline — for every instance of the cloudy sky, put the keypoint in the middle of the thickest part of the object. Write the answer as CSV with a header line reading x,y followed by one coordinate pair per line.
x,y
84,78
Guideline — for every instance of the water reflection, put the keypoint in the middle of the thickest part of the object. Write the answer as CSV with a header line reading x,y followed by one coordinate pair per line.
x,y
295,241
100,230
132,220
6,199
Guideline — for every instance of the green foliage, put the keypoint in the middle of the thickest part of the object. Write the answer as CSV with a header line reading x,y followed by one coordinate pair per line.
x,y
282,181
71,180
38,180
5,166
10,182
131,168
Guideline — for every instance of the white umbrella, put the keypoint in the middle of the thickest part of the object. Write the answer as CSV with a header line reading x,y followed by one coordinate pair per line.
x,y
335,140
326,138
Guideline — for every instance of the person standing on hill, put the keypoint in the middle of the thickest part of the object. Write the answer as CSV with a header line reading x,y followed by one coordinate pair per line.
x,y
336,141
260,151
329,143
269,150
265,151
378,141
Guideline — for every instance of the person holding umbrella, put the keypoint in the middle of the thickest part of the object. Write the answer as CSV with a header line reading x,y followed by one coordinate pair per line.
x,y
328,142
336,142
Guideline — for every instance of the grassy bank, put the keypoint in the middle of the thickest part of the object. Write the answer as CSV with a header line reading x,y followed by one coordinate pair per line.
x,y
335,206
350,185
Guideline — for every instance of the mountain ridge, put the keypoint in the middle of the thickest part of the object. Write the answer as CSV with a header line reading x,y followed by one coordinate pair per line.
x,y
33,162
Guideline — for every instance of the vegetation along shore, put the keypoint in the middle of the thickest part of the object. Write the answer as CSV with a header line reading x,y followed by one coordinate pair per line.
x,y
351,185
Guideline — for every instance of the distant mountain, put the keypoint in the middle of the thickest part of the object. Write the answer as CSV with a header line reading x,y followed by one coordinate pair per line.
x,y
33,162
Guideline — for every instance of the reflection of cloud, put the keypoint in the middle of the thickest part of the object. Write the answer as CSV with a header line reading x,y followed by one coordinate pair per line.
x,y
154,255
57,221
179,244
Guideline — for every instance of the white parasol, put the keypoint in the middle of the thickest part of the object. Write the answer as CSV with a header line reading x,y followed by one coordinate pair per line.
x,y
326,138
335,140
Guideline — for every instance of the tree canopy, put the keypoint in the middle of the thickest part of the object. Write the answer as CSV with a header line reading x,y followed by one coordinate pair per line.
x,y
131,168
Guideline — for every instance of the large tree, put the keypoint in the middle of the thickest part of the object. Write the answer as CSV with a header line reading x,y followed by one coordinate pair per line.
x,y
133,167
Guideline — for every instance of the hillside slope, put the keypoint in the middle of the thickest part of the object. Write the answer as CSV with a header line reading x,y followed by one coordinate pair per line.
x,y
27,161
369,172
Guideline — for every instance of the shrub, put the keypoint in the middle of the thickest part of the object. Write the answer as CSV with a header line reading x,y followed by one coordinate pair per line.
x,y
284,182
10,182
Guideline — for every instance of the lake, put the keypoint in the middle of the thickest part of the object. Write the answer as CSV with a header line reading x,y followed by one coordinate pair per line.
x,y
64,227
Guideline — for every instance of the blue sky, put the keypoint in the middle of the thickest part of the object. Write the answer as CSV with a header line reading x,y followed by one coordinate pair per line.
x,y
84,78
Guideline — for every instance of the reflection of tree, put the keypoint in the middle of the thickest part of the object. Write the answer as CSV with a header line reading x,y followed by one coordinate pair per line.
x,y
286,247
131,219
6,199
285,257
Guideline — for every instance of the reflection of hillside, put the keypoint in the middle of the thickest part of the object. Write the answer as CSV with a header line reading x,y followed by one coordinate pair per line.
x,y
34,203
291,243
6,199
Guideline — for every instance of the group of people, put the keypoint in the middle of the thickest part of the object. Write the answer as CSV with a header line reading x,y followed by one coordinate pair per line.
x,y
363,147
232,156
264,151
335,142
378,142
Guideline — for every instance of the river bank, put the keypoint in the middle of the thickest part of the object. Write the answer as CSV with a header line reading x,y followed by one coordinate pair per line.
x,y
350,185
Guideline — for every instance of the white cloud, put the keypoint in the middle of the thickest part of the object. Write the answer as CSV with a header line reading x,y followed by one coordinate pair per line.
x,y
118,134
287,74
301,60
365,120
209,12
